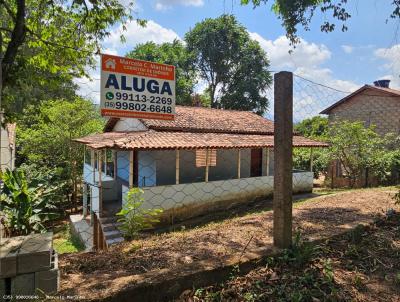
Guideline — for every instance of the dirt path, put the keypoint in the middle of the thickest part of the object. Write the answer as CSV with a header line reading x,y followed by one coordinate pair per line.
x,y
320,217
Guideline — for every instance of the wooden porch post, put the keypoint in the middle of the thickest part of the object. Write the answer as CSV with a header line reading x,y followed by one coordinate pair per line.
x,y
99,166
238,163
177,166
207,166
131,163
268,162
85,205
114,156
311,159
92,163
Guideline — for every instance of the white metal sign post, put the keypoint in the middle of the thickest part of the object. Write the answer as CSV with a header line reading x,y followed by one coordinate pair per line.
x,y
137,89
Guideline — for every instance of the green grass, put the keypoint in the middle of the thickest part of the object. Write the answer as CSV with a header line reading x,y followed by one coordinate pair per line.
x,y
65,242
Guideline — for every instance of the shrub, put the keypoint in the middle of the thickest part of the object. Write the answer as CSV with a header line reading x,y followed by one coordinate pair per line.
x,y
133,217
26,208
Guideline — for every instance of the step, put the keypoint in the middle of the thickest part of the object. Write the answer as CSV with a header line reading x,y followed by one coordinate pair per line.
x,y
108,219
111,226
112,234
114,241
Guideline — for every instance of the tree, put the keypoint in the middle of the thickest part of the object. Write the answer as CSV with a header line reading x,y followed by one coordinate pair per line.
x,y
356,148
315,127
296,13
58,37
232,64
174,53
45,136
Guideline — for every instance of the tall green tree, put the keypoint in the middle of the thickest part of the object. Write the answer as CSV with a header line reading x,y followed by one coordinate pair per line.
x,y
233,65
174,53
45,136
299,13
314,127
56,37
356,148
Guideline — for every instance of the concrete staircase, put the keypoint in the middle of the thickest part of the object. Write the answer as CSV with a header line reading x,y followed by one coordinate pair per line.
x,y
112,234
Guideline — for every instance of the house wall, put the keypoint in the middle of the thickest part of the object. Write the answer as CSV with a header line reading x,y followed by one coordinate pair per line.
x,y
188,200
123,165
159,167
129,124
371,107
7,149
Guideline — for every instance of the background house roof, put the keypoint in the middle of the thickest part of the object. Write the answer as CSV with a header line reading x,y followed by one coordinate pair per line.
x,y
186,140
389,91
200,119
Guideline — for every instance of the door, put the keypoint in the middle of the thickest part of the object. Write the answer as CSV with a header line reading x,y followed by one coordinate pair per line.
x,y
256,162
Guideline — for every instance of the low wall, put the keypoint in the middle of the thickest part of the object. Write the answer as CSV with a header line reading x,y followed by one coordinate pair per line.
x,y
189,200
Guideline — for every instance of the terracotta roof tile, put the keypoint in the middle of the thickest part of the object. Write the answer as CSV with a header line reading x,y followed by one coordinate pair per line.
x,y
186,140
200,119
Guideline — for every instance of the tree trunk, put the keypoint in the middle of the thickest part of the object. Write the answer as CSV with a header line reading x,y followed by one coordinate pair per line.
x,y
16,40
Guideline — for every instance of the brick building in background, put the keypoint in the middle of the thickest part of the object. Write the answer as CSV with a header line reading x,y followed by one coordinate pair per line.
x,y
376,105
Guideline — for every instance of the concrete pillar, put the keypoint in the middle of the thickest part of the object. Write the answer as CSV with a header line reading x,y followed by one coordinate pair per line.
x,y
283,144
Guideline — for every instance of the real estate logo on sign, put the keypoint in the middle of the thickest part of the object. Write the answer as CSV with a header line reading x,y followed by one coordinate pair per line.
x,y
136,88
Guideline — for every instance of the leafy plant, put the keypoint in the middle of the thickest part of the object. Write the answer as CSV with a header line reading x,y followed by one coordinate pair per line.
x,y
26,208
300,252
133,217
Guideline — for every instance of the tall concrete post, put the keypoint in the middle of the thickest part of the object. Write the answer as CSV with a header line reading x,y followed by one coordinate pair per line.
x,y
283,144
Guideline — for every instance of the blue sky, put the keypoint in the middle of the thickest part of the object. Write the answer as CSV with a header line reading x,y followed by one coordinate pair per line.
x,y
369,50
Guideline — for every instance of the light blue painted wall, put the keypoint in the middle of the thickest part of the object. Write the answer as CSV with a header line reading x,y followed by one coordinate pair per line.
x,y
147,169
123,165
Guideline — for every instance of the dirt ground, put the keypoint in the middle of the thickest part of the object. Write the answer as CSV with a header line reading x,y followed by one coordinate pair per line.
x,y
320,217
362,265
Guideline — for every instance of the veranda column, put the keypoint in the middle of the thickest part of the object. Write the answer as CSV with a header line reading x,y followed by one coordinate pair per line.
x,y
177,166
85,205
268,162
131,164
283,144
238,163
311,159
207,166
99,166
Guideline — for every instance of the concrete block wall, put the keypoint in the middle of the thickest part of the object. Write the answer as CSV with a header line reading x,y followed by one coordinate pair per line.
x,y
372,108
28,265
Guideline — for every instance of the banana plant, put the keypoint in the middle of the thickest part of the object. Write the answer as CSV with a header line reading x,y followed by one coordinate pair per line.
x,y
26,208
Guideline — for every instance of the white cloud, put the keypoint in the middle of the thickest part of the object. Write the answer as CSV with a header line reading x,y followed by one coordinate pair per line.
x,y
305,53
306,61
347,49
135,34
391,66
167,4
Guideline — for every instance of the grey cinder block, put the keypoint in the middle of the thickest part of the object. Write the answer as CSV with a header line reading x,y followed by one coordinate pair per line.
x,y
23,284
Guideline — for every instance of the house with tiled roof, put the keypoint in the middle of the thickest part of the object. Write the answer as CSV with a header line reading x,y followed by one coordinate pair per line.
x,y
376,104
205,159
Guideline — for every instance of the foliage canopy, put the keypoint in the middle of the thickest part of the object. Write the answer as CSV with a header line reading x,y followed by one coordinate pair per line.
x,y
231,63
